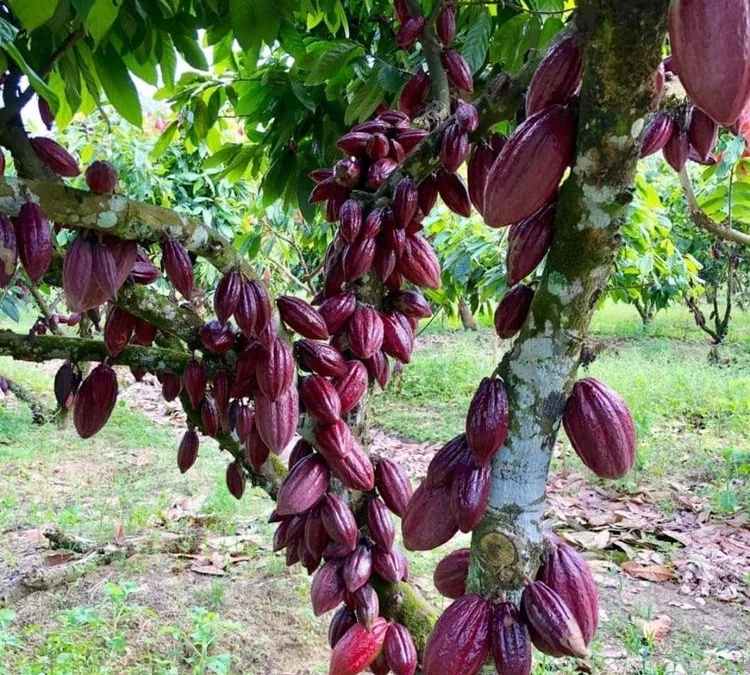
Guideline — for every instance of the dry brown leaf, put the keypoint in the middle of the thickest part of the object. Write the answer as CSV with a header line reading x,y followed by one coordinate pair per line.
x,y
656,629
656,573
210,570
55,559
119,530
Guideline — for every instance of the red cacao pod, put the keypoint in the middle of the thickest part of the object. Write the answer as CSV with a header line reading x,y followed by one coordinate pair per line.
x,y
222,386
405,201
144,333
8,251
357,259
104,270
400,650
341,622
458,71
454,147
337,310
101,177
262,304
34,240
703,133
67,381
479,167
209,416
567,573
380,524
414,92
353,143
387,565
677,149
338,521
320,398
334,440
400,10
320,358
443,465
301,450
235,479
303,487
358,648
528,243
275,373
410,303
125,253
256,451
178,266
346,173
57,158
419,264
327,590
95,401
511,644
711,51
658,131
600,428
512,311
396,118
354,470
398,339
187,453
451,573
246,310
428,522
550,617
385,260
277,420
453,192
302,317
380,666
351,386
409,139
143,270
351,216
379,369
378,146
467,117
527,172
217,337
445,25
365,331
45,113
470,493
393,486
558,76
171,386
118,330
77,268
366,605
460,642
427,193
227,295
409,32
357,568
194,380
487,420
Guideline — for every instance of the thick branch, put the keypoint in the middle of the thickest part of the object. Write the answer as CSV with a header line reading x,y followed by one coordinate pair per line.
x,y
700,219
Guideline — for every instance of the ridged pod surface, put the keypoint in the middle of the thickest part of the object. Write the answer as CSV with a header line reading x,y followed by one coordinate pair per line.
x,y
320,398
55,157
657,133
451,573
8,250
34,240
551,618
557,77
77,267
187,453
277,420
393,485
600,428
703,133
487,420
352,385
460,642
711,49
358,648
365,332
101,177
527,172
428,522
512,311
511,643
528,243
178,266
400,650
303,487
302,317
95,401
470,493
480,163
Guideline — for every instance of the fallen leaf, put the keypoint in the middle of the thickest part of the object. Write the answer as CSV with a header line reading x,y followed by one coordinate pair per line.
x,y
55,559
210,570
655,573
119,531
657,629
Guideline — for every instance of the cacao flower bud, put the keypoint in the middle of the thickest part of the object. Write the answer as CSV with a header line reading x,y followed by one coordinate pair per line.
x,y
460,642
528,243
341,622
118,330
512,311
277,420
470,493
188,450
453,192
194,380
487,420
414,92
551,618
600,428
95,401
451,574
393,486
178,266
34,240
57,158
400,650
303,487
703,133
428,522
358,648
558,76
658,131
327,590
227,295
8,250
357,568
235,479
67,381
351,386
338,521
454,147
409,32
445,25
380,524
458,71
101,177
709,49
527,173
511,644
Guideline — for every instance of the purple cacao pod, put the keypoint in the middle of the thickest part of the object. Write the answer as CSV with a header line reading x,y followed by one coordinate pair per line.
x,y
445,25
350,217
420,264
443,465
451,574
380,524
487,420
357,568
528,243
34,240
366,605
327,590
320,358
95,401
677,149
414,92
454,147
355,470
393,486
400,650
339,521
480,164
334,440
275,372
703,133
217,337
409,32
118,329
194,380
57,158
428,522
77,268
209,416
365,331
302,317
101,177
178,266
227,295
558,76
398,338
470,493
320,398
303,487
405,201
341,622
512,311
352,385
453,192
658,131
8,250
511,644
337,310
458,71
187,453
277,420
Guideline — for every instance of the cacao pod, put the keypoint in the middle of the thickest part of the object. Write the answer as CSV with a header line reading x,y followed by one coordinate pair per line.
x,y
558,76
118,330
453,192
338,521
512,311
246,310
527,173
380,666
178,266
358,648
235,479
354,470
470,493
171,385
351,386
380,524
327,590
346,173
209,416
341,622
419,264
458,71
414,92
657,133
188,450
8,251
194,380
511,644
551,618
350,216
454,147
467,117
357,259
276,372
400,650
528,243
337,310
67,381
144,333
460,642
393,486
57,158
143,270
387,565
217,337
277,420
301,450
443,465
409,139
365,331
711,52
451,573
410,303
703,133
303,487
379,172
77,267
357,568
95,401
320,398
378,147
256,451
333,441
34,240
600,428
320,358
104,270
366,605
479,167
398,339
427,193
302,317
405,201
45,113
379,369
409,32
428,522
227,295
101,177
677,149
487,420
445,26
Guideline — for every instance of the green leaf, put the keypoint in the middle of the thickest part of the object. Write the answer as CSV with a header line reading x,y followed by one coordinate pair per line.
x,y
391,79
332,62
33,14
514,38
100,18
291,40
117,85
254,22
191,51
10,308
366,98
302,96
7,34
477,41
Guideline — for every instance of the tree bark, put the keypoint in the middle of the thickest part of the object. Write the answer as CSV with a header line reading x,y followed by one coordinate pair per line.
x,y
467,318
623,49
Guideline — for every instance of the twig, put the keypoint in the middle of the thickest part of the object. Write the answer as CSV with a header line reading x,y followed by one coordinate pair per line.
x,y
44,309
439,88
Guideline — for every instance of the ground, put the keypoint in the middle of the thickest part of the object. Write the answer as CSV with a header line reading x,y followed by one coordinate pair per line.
x,y
670,546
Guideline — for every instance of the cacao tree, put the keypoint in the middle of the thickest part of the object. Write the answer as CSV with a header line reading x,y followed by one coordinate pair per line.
x,y
367,113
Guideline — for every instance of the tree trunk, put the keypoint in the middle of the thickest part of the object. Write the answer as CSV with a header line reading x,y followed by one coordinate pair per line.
x,y
467,318
623,50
